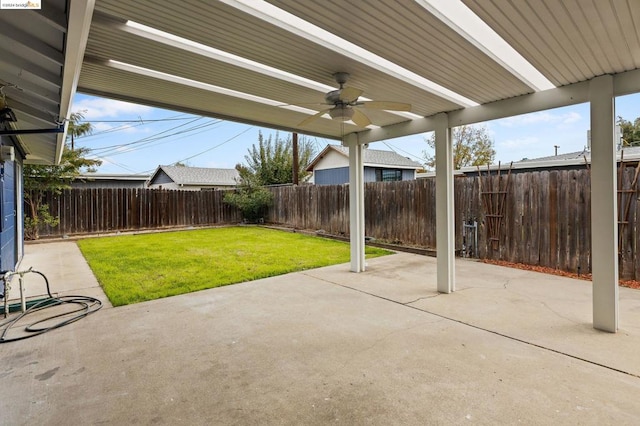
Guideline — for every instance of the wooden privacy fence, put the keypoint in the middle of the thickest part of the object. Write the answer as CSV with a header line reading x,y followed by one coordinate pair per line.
x,y
545,219
100,210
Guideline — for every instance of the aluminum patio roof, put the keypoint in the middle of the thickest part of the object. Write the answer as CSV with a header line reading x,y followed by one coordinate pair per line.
x,y
415,52
39,67
566,41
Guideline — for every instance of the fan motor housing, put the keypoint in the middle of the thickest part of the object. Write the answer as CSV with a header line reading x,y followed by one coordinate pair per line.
x,y
333,97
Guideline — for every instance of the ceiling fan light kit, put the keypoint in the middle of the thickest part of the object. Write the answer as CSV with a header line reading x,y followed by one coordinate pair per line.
x,y
342,113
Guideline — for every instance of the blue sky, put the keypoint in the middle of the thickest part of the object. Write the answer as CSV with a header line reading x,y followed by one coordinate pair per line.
x,y
131,138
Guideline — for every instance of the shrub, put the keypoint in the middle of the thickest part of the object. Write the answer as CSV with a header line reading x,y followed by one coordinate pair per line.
x,y
32,223
252,201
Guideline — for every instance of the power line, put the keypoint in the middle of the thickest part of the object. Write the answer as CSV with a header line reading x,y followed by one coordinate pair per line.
x,y
207,150
150,138
166,139
395,149
137,120
219,145
169,138
118,165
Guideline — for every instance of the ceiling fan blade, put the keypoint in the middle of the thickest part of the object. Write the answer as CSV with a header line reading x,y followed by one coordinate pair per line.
x,y
350,94
390,106
359,118
313,117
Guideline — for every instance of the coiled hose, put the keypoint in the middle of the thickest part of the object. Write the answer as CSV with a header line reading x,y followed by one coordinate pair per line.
x,y
86,305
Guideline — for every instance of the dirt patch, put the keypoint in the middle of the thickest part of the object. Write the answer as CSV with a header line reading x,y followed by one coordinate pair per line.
x,y
545,270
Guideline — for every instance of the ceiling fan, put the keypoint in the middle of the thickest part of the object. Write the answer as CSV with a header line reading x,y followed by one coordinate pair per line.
x,y
345,105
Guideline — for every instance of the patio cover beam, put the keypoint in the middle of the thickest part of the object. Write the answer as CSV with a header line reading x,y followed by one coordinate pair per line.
x,y
623,84
80,14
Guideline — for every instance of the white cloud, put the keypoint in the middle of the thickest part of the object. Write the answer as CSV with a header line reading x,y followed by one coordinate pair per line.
x,y
571,117
101,127
519,142
541,118
101,108
216,164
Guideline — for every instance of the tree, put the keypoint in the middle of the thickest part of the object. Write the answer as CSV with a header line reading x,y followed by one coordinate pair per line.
x,y
38,179
271,162
251,199
77,129
472,146
630,131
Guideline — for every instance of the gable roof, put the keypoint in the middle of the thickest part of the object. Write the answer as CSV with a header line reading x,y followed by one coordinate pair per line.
x,y
199,176
371,157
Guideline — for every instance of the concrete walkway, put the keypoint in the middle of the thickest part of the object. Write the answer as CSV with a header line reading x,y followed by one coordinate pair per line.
x,y
329,346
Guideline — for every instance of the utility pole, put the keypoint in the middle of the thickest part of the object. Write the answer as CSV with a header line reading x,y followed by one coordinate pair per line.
x,y
295,158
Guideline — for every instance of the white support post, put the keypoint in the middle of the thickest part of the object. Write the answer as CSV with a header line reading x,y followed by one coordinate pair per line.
x,y
356,207
604,208
445,225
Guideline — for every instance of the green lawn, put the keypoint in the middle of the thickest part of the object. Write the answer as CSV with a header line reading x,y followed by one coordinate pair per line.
x,y
135,268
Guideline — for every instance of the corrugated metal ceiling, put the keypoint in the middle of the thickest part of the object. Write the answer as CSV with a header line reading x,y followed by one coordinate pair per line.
x,y
567,41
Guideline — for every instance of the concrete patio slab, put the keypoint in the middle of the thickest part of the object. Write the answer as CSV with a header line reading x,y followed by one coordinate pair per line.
x,y
551,311
329,346
65,268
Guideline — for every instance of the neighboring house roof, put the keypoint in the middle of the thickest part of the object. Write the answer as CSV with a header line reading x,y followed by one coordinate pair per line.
x,y
627,152
370,157
578,158
112,177
109,180
198,176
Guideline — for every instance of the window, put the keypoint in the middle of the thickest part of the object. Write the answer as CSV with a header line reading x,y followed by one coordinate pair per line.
x,y
388,175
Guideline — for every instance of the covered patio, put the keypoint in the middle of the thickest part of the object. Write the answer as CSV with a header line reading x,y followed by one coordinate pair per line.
x,y
329,346
402,68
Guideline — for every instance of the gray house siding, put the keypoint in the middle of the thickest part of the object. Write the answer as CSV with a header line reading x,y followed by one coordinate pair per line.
x,y
335,176
161,178
340,175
